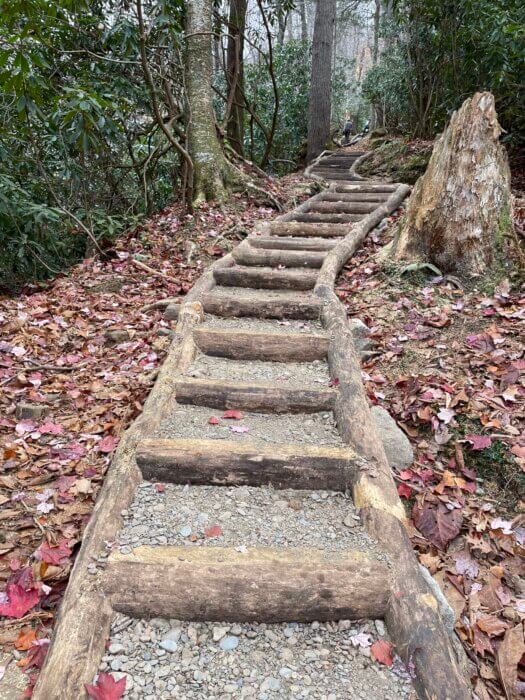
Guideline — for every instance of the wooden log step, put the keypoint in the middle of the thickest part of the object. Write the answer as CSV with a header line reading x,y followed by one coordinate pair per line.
x,y
246,255
298,228
257,345
265,278
281,305
263,584
282,243
313,217
330,196
362,188
342,207
261,397
228,463
327,175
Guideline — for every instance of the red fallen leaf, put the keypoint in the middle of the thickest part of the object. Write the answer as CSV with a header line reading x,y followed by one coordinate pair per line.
x,y
54,555
160,488
20,601
382,652
479,442
108,444
333,382
406,474
36,655
50,428
439,525
213,531
213,420
234,415
106,687
404,490
25,639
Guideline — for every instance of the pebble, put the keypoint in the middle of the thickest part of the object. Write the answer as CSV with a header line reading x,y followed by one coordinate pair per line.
x,y
229,643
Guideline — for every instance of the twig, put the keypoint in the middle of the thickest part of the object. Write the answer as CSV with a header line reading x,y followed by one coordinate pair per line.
x,y
157,273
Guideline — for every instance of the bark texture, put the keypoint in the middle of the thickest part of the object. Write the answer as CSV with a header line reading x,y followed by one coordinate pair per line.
x,y
211,171
460,207
235,74
321,85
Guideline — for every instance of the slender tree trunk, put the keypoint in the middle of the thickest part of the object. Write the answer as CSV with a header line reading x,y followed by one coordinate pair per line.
x,y
459,212
304,24
235,74
319,110
377,19
212,174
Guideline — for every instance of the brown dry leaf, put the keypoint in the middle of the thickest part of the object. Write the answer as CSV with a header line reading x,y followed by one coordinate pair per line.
x,y
491,625
508,656
431,561
451,593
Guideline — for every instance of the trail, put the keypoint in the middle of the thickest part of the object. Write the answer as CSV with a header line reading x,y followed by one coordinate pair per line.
x,y
249,540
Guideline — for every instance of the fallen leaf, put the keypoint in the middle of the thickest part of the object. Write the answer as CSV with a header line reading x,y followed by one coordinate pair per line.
x,y
360,640
106,687
233,415
508,657
491,625
382,652
479,442
213,531
108,444
54,555
19,602
438,525
26,639
212,420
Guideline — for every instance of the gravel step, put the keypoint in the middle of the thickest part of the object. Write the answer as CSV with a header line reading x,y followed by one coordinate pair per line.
x,y
163,658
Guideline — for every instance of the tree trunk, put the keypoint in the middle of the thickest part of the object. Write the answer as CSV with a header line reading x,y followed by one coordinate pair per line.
x,y
321,84
211,171
377,19
235,74
460,208
304,24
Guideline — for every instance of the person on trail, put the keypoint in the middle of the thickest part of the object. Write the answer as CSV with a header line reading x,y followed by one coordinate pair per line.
x,y
348,129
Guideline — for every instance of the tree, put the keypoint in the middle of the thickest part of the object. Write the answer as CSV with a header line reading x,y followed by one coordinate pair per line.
x,y
460,208
235,75
213,175
319,110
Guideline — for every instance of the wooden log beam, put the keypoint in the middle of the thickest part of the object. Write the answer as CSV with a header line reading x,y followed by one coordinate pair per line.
x,y
228,463
263,584
263,397
265,278
312,217
297,228
282,243
244,254
343,207
257,345
362,187
330,196
236,305
326,174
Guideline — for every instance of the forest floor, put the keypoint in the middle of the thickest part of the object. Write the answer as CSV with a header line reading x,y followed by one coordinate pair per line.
x,y
448,364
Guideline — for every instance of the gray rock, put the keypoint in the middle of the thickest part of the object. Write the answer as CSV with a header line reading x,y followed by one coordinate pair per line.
x,y
31,411
396,444
360,332
229,643
169,645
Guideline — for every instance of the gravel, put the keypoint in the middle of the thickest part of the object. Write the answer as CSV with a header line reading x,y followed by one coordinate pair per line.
x,y
311,374
248,516
192,422
220,661
263,325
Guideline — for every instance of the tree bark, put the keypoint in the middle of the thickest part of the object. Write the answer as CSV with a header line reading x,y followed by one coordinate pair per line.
x,y
321,84
304,24
212,174
235,74
460,208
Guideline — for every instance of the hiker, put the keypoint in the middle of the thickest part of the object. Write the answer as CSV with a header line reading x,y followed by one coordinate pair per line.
x,y
348,129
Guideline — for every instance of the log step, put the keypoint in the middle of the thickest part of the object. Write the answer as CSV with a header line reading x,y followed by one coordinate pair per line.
x,y
262,397
331,196
336,175
265,278
228,463
327,207
282,243
362,188
256,345
299,228
311,217
246,255
230,303
263,584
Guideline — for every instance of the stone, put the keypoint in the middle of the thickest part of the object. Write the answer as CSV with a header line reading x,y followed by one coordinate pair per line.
x,y
116,648
360,332
380,627
229,643
169,645
31,411
395,443
116,335
218,633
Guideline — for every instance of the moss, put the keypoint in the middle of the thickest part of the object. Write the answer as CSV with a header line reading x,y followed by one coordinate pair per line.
x,y
396,159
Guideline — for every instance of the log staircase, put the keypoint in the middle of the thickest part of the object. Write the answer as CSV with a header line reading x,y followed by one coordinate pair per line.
x,y
269,304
